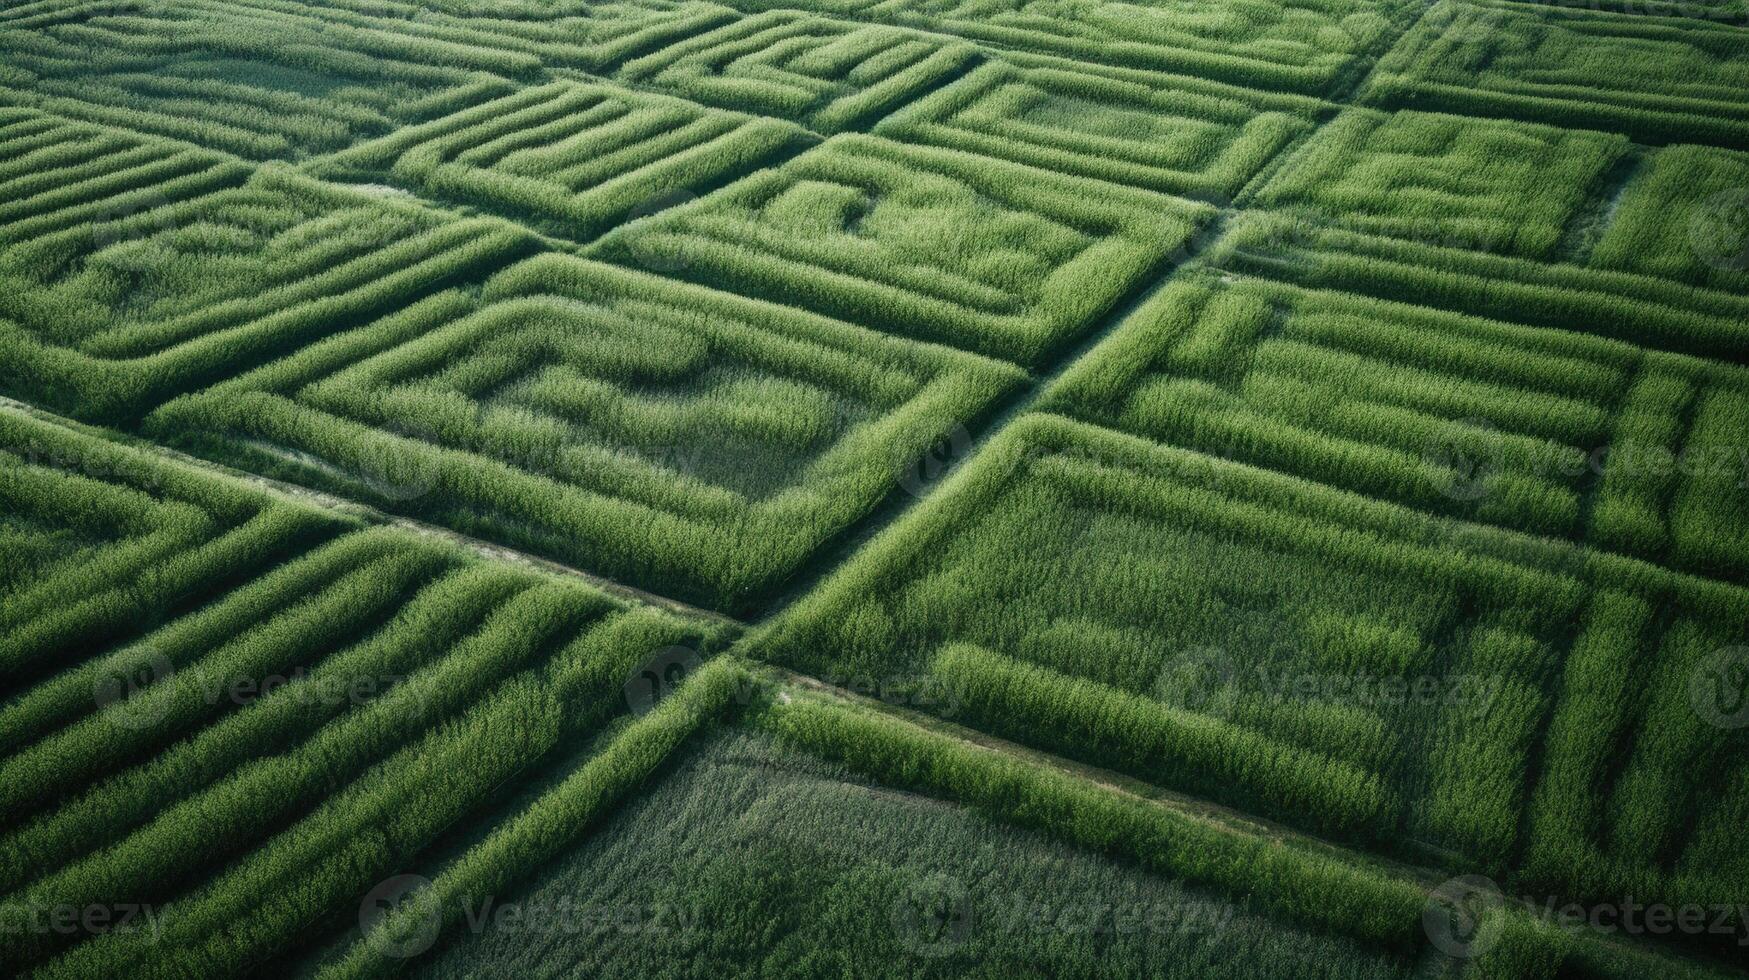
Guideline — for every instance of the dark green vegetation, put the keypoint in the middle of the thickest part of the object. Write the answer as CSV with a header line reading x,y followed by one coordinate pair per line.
x,y
680,439
314,724
985,255
1251,488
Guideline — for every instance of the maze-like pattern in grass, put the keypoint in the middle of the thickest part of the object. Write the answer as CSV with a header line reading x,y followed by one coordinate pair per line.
x,y
113,300
829,75
1163,133
55,173
99,543
690,442
570,158
1309,46
1534,429
1303,652
584,35
1493,185
1657,79
206,687
982,254
262,82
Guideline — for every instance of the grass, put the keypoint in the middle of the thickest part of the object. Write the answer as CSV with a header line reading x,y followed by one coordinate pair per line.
x,y
1341,664
572,159
985,255
658,432
1655,79
993,488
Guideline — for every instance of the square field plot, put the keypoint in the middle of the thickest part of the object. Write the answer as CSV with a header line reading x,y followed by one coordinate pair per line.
x,y
1656,79
1487,184
573,159
828,75
1310,46
123,290
1302,653
1159,132
693,443
982,254
1534,429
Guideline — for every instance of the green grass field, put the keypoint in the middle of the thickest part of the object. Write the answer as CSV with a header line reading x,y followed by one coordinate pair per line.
x,y
874,488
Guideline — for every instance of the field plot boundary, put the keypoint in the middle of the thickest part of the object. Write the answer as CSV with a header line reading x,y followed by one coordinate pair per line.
x,y
347,509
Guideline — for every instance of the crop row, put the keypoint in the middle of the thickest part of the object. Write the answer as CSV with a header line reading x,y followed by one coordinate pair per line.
x,y
1656,79
1309,46
259,759
1526,190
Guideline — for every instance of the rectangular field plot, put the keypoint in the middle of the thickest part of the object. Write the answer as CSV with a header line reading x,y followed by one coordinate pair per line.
x,y
690,442
1533,429
572,159
1656,79
829,75
1162,133
1309,46
982,254
1303,653
1497,186
119,292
